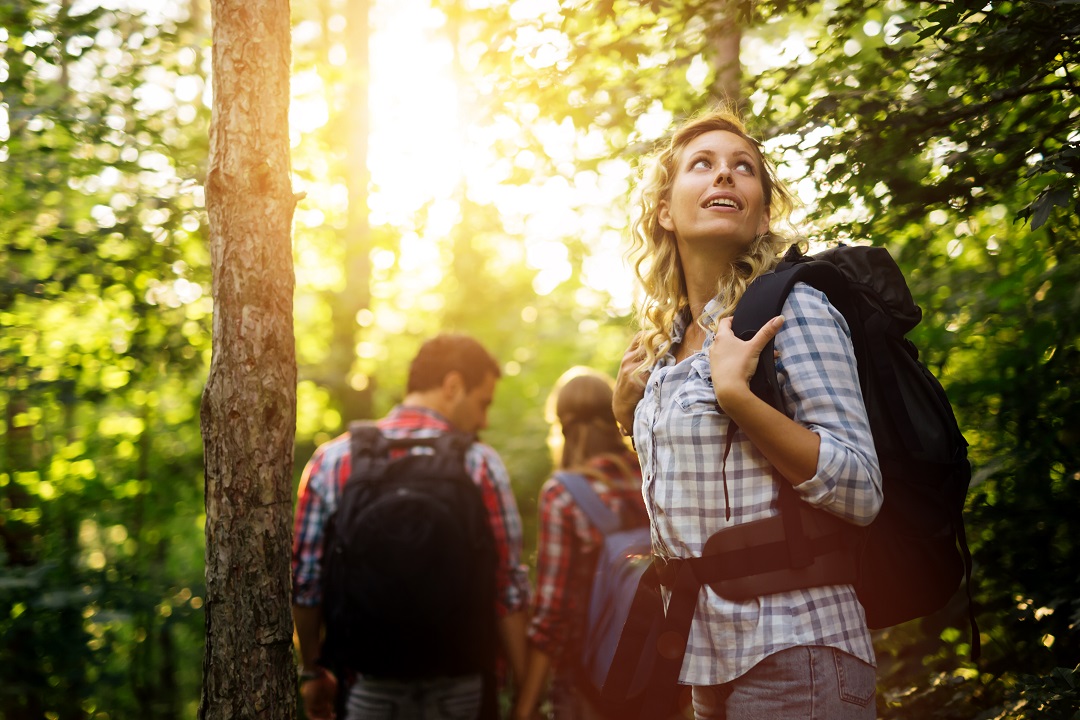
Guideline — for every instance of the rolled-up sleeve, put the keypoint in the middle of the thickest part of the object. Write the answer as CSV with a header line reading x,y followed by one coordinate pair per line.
x,y
317,497
819,384
549,627
312,510
511,574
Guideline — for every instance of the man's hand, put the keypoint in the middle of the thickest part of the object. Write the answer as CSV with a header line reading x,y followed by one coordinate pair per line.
x,y
318,694
629,385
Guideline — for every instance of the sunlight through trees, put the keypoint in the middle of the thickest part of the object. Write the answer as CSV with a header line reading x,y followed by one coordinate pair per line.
x,y
465,165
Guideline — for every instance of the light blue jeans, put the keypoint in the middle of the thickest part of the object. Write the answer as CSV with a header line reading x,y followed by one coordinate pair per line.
x,y
800,683
457,698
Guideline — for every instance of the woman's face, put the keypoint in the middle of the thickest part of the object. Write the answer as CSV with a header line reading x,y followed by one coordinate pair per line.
x,y
716,194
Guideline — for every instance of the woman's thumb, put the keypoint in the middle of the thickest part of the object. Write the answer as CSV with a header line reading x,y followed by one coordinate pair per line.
x,y
768,332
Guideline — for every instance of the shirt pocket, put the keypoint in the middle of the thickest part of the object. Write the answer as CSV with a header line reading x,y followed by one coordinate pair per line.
x,y
695,395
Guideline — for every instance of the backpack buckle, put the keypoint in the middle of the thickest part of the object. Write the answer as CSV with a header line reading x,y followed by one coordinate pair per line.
x,y
667,569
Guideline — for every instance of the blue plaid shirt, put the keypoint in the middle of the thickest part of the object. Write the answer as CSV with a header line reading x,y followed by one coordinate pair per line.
x,y
679,432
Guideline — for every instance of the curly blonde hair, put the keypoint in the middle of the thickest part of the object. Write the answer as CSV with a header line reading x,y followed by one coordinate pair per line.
x,y
655,255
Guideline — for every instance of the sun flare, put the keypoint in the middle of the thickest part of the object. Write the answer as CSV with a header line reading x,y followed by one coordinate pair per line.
x,y
427,154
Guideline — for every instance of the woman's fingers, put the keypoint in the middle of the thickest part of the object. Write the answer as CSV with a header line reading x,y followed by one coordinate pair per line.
x,y
767,332
733,361
761,337
629,384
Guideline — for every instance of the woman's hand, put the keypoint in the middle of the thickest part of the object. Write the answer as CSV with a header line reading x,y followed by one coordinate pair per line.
x,y
733,361
629,385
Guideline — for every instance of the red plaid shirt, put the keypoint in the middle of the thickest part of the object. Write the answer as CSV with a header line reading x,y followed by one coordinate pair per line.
x,y
567,550
328,470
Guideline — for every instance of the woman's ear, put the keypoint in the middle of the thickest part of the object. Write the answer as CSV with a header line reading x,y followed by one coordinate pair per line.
x,y
763,226
663,216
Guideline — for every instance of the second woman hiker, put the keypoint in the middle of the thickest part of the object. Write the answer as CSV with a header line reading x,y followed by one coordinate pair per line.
x,y
589,443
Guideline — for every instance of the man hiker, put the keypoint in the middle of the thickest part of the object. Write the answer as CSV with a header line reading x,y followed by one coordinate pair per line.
x,y
450,386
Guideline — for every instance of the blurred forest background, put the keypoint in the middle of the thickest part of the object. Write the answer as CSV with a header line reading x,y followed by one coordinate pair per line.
x,y
466,165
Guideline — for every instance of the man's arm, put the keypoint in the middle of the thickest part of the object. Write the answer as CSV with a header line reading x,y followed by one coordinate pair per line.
x,y
512,634
511,576
308,622
532,686
318,686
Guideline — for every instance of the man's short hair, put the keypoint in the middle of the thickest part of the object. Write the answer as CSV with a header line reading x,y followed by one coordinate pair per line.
x,y
448,353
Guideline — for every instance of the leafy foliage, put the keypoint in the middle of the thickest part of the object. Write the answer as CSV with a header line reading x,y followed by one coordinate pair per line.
x,y
104,336
945,131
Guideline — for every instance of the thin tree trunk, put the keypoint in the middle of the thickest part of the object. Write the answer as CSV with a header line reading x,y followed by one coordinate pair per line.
x,y
22,548
726,45
249,404
354,396
728,86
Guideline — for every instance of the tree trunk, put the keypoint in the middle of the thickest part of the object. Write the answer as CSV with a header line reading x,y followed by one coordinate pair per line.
x,y
22,547
728,86
249,403
354,393
726,39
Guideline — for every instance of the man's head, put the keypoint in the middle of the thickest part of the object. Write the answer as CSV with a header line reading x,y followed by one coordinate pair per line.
x,y
454,375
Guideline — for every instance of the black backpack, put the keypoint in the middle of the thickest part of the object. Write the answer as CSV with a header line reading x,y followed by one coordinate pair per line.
x,y
409,563
910,561
914,556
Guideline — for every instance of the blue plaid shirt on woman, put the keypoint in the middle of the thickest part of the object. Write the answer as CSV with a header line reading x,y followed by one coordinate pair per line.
x,y
680,432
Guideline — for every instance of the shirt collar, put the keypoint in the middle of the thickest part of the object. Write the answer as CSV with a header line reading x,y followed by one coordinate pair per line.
x,y
417,415
683,319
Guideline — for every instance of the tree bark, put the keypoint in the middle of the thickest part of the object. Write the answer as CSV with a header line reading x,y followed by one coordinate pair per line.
x,y
249,403
728,86
726,37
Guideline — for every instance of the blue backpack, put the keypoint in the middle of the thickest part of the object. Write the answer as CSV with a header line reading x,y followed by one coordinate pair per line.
x,y
625,611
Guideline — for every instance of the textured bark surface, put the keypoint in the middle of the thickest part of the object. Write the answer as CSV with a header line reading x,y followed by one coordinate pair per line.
x,y
249,403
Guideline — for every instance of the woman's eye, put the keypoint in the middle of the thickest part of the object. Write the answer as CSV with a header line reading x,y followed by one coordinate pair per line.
x,y
745,166
700,163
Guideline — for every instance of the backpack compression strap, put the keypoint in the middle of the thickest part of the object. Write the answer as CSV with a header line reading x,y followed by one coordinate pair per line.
x,y
367,446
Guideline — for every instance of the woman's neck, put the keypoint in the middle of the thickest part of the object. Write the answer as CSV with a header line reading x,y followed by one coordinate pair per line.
x,y
702,271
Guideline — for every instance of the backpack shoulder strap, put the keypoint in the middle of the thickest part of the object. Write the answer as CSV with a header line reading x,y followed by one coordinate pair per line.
x,y
590,503
764,299
370,449
368,439
455,443
367,447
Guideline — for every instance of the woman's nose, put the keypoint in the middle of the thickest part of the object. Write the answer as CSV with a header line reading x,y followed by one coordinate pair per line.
x,y
723,174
